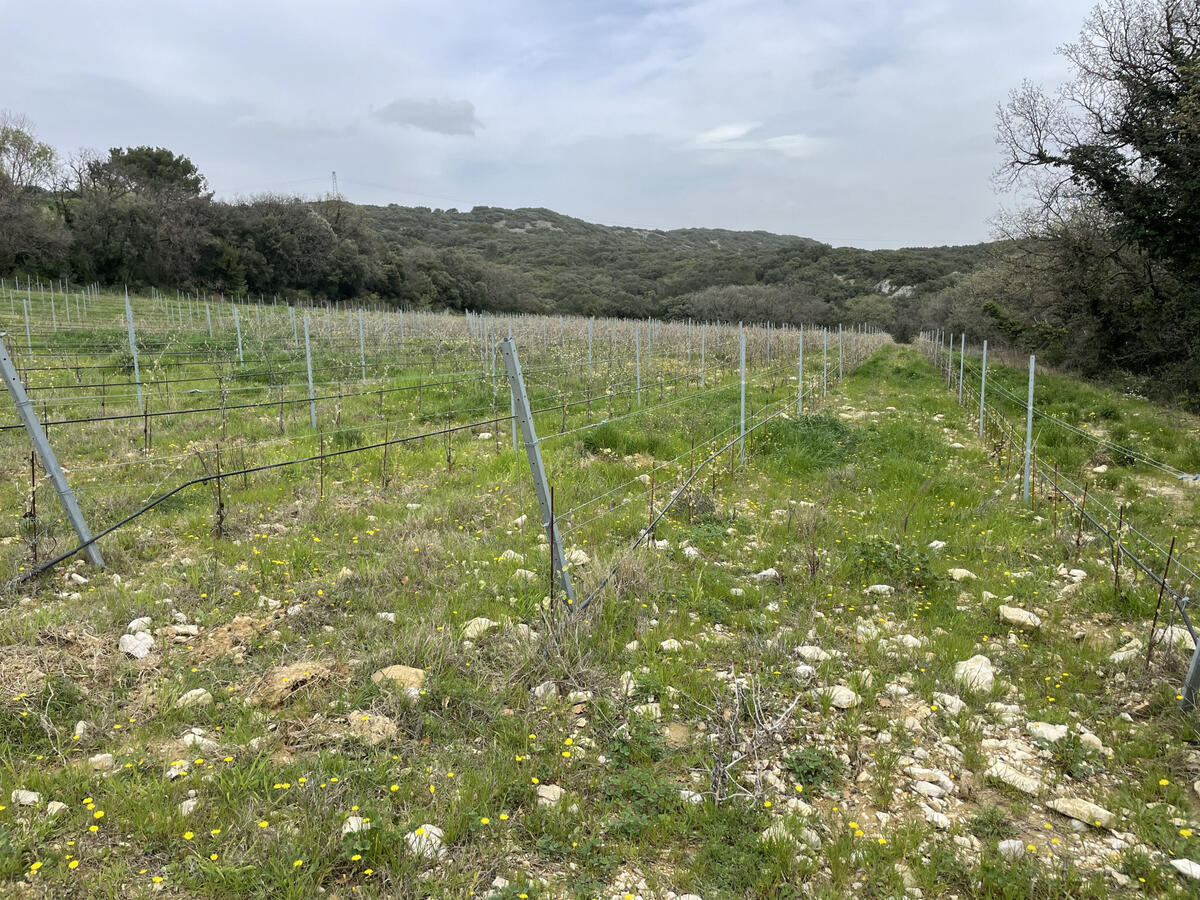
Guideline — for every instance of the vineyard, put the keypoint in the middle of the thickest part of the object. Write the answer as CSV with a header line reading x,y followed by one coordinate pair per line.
x,y
733,611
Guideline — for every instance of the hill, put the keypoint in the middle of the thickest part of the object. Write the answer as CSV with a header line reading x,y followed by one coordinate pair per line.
x,y
581,267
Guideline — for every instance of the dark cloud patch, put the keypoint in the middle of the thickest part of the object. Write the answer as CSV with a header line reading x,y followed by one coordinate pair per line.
x,y
454,117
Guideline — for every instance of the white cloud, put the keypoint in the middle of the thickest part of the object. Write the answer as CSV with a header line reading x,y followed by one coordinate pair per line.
x,y
724,133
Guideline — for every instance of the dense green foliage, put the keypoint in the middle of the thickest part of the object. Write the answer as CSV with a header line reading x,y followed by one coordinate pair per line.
x,y
1110,277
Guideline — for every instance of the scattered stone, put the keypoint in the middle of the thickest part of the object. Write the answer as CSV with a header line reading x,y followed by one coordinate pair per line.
x,y
1089,740
138,625
767,575
54,807
1019,617
812,654
1082,811
1014,778
935,818
841,697
653,710
932,791
101,762
195,697
691,552
386,617
187,807
1044,731
690,797
195,737
670,645
937,545
881,589
777,833
371,728
136,645
578,558
1175,636
1186,867
962,574
81,729
950,703
549,794
1131,650
975,674
525,575
478,627
408,678
25,798
547,690
426,842
354,825
512,556
485,436
1012,849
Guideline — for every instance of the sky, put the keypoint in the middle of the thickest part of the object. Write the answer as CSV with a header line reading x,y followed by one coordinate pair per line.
x,y
867,123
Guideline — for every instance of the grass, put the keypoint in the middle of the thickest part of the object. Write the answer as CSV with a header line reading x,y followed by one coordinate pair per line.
x,y
847,496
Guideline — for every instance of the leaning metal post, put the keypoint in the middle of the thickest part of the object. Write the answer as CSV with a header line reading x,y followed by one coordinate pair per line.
x,y
1192,682
533,450
49,461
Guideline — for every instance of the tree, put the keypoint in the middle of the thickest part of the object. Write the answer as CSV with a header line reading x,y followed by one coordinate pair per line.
x,y
29,236
25,162
153,172
1123,132
1113,160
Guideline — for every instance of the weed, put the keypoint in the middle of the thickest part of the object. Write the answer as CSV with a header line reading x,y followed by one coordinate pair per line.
x,y
816,768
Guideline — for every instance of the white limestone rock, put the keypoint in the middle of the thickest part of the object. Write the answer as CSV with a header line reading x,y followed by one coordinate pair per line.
x,y
426,842
137,645
1083,811
478,627
975,674
1020,618
194,698
549,794
841,697
1044,731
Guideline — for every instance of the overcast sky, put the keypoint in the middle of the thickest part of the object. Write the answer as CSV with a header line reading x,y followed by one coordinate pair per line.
x,y
860,122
